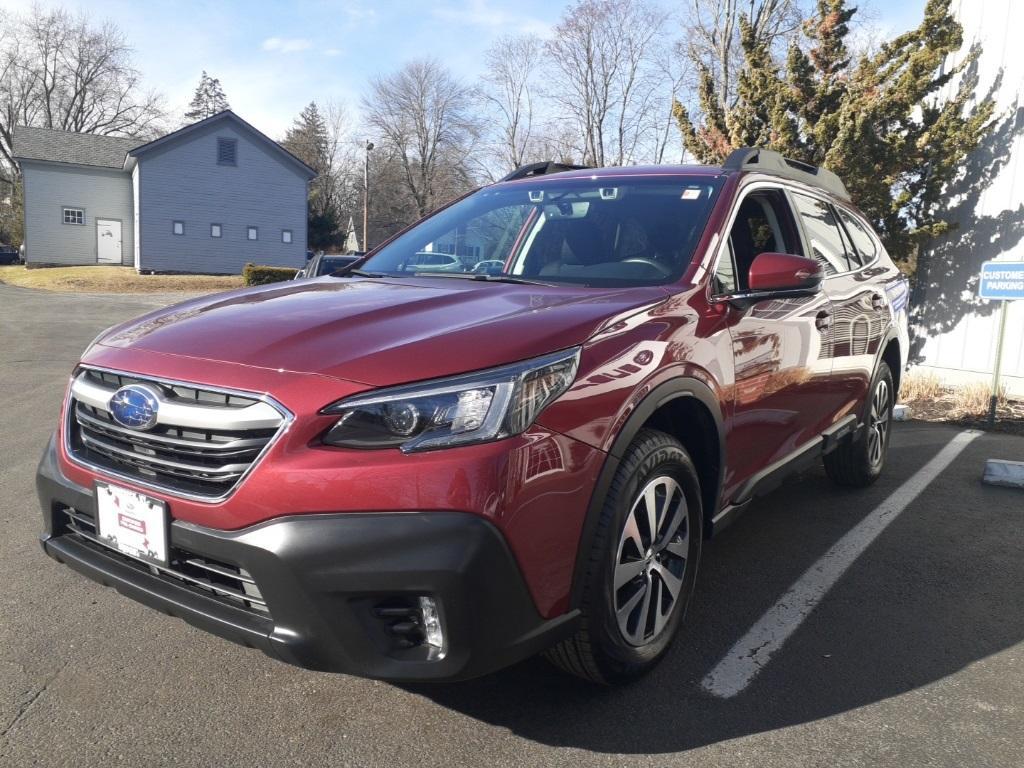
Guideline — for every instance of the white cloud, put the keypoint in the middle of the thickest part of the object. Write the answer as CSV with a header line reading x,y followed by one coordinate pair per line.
x,y
478,13
287,44
332,52
357,14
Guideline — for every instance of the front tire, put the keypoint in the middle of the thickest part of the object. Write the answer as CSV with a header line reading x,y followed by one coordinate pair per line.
x,y
642,565
858,463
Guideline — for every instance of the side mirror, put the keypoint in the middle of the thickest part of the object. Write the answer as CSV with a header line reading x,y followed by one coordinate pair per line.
x,y
785,274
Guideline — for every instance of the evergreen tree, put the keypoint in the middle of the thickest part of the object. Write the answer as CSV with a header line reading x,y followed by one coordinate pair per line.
x,y
209,99
877,123
310,140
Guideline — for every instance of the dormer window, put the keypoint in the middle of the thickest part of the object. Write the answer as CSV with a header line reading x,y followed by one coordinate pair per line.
x,y
227,151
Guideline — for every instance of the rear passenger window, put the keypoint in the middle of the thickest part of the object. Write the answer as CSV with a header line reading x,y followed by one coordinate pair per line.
x,y
823,234
862,239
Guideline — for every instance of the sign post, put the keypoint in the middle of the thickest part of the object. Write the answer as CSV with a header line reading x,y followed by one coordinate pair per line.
x,y
1001,281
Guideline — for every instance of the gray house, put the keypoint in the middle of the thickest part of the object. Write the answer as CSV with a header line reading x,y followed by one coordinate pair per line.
x,y
207,199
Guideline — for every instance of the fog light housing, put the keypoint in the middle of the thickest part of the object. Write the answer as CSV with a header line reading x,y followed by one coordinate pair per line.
x,y
433,633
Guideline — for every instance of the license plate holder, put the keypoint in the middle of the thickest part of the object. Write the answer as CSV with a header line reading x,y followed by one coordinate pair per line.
x,y
132,523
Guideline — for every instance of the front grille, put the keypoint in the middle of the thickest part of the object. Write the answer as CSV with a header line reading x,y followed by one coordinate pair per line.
x,y
203,443
223,581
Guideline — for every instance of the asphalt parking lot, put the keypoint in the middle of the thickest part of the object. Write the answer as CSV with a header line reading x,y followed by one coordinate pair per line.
x,y
915,657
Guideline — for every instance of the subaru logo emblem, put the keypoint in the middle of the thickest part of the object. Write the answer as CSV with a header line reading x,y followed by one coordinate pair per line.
x,y
135,406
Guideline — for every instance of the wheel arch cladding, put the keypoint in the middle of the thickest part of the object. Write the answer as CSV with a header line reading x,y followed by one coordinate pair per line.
x,y
891,356
688,410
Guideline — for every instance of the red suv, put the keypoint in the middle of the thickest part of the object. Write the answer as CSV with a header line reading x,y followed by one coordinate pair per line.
x,y
428,475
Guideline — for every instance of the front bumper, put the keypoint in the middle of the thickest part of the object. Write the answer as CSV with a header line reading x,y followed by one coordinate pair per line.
x,y
323,577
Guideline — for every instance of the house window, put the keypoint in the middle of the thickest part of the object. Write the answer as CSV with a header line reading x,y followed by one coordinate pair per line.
x,y
215,230
74,216
286,235
252,233
178,227
227,151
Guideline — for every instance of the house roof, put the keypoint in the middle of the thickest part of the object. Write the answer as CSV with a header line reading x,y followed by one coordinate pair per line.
x,y
227,114
56,146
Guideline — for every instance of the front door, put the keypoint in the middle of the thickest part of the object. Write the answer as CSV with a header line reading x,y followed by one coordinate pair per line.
x,y
781,348
108,241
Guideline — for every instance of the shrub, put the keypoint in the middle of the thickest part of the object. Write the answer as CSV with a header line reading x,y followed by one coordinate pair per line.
x,y
255,274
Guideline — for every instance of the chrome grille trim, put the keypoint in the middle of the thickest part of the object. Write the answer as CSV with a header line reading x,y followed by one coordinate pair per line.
x,y
248,594
227,471
140,457
218,570
259,415
198,447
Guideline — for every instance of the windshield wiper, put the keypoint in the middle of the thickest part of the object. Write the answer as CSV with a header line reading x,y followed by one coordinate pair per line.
x,y
483,278
361,273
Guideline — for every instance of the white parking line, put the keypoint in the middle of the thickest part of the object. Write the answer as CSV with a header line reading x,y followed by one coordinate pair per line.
x,y
753,651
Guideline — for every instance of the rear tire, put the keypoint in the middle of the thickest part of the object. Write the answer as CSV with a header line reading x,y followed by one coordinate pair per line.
x,y
858,462
642,564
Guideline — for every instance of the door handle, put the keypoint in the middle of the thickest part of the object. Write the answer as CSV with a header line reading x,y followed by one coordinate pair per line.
x,y
823,320
877,301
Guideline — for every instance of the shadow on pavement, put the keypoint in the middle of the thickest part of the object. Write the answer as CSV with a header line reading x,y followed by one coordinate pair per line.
x,y
937,591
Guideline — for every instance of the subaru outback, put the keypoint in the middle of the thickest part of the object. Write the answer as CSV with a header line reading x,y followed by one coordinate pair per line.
x,y
424,475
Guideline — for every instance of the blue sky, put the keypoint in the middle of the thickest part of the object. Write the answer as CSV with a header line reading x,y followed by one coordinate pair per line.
x,y
274,57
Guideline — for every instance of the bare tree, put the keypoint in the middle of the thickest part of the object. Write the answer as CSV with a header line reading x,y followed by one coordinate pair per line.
x,y
676,73
423,116
60,71
712,38
606,52
509,93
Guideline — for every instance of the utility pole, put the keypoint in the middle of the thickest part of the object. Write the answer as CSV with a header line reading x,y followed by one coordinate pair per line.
x,y
366,196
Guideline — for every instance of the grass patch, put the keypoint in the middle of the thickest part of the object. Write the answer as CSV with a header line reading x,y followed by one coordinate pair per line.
x,y
920,385
109,279
965,404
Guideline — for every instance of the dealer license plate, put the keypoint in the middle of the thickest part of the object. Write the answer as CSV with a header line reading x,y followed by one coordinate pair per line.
x,y
132,523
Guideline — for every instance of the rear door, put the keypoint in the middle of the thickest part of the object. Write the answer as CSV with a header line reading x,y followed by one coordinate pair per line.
x,y
781,347
860,310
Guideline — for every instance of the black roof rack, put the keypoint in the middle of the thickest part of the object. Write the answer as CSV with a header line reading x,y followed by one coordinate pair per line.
x,y
754,159
544,168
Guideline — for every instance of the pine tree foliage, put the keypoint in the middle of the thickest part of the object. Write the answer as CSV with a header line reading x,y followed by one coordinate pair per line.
x,y
208,100
877,122
310,140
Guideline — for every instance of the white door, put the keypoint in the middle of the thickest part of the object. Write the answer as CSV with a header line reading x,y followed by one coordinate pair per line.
x,y
108,241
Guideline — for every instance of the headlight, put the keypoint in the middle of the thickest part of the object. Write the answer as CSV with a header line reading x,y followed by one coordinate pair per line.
x,y
473,408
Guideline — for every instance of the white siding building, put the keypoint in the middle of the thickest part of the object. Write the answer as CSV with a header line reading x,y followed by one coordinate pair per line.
x,y
955,333
207,199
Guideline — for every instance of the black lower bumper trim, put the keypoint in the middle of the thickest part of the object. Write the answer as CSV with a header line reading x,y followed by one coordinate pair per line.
x,y
323,575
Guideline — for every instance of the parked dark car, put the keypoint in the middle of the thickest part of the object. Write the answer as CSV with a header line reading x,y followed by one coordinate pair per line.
x,y
412,475
9,254
324,264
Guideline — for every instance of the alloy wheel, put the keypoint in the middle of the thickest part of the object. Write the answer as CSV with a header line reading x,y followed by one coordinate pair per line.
x,y
878,425
651,561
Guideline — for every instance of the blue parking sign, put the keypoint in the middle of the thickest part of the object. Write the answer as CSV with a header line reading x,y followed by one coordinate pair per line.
x,y
1002,280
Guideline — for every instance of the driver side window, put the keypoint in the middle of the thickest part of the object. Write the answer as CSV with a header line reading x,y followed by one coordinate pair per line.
x,y
764,223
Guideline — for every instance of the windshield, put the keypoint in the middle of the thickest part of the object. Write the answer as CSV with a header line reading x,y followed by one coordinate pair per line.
x,y
612,231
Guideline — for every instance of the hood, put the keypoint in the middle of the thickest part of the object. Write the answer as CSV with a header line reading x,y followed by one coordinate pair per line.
x,y
379,331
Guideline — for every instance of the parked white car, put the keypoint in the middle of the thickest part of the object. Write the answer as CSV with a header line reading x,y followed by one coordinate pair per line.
x,y
429,261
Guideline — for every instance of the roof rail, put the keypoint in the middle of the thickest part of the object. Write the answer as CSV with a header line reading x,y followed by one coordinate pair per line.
x,y
755,159
544,168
